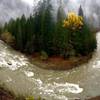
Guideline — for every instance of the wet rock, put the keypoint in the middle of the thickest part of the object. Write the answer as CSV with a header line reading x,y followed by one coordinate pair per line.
x,y
9,63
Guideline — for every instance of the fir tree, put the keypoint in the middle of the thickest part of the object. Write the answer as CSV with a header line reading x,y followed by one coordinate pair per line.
x,y
47,28
19,36
30,42
80,12
60,36
23,31
38,22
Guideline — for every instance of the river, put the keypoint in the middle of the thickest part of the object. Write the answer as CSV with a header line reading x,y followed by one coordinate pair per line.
x,y
18,75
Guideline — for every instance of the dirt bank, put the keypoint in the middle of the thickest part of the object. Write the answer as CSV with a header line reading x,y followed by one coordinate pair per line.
x,y
59,63
95,98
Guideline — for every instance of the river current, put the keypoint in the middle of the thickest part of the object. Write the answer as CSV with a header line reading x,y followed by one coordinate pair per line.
x,y
17,74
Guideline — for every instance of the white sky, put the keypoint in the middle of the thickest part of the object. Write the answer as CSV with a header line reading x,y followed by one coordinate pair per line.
x,y
30,2
33,2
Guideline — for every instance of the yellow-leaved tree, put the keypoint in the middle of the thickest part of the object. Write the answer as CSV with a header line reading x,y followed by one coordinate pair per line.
x,y
81,40
73,21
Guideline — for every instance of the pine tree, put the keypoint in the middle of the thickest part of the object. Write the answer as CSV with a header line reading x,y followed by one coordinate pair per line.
x,y
30,43
38,16
80,12
47,28
19,36
60,36
23,30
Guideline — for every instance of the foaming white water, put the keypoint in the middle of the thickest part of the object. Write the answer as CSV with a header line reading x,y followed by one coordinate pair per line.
x,y
13,62
68,87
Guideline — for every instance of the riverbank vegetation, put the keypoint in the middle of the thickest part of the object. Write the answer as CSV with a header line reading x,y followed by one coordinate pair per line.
x,y
66,36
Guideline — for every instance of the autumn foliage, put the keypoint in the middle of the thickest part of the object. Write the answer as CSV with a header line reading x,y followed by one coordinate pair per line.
x,y
73,21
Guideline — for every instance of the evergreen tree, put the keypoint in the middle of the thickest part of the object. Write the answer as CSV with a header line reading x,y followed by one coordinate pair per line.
x,y
38,16
19,36
80,12
30,42
60,36
47,28
84,41
23,31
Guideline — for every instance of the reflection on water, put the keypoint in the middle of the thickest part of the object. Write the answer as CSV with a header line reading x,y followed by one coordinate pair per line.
x,y
23,78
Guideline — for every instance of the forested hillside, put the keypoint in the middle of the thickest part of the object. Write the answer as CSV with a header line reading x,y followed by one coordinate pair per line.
x,y
66,36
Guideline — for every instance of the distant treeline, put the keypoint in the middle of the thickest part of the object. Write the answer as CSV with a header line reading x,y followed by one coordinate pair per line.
x,y
40,32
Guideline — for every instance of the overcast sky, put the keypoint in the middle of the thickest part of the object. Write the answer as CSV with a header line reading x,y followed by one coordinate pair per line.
x,y
31,2
16,8
91,8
